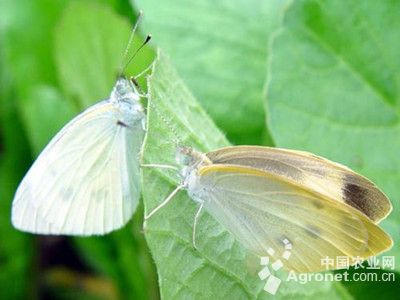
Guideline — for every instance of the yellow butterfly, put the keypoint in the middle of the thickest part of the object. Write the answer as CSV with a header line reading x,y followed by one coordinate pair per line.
x,y
265,195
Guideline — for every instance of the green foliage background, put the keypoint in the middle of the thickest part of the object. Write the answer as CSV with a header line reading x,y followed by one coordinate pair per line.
x,y
321,76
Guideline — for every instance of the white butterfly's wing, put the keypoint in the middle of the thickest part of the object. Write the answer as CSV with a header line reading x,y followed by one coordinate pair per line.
x,y
314,173
25,216
86,180
262,210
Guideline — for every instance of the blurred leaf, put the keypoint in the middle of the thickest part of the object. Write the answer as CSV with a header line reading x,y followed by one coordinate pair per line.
x,y
44,112
27,50
23,50
28,29
373,289
220,268
16,280
220,48
89,45
124,257
334,89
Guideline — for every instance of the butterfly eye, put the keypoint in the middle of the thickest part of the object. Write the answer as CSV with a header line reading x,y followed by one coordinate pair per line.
x,y
121,87
184,156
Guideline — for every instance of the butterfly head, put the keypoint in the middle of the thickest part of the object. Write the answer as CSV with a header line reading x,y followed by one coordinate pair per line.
x,y
190,160
124,90
184,156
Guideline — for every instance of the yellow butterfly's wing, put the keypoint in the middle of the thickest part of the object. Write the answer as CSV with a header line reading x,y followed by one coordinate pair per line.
x,y
314,173
262,209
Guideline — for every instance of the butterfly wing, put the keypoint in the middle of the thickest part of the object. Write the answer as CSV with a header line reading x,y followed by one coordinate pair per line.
x,y
25,216
261,210
86,181
315,173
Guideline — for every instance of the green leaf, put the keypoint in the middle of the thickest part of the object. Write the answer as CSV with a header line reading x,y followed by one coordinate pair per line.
x,y
220,268
220,49
89,45
334,89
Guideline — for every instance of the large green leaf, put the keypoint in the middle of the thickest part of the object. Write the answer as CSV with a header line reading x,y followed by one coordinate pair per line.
x,y
220,50
334,89
220,268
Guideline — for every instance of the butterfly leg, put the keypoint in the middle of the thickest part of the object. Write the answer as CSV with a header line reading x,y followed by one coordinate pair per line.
x,y
196,218
165,202
141,153
144,127
141,93
159,166
146,70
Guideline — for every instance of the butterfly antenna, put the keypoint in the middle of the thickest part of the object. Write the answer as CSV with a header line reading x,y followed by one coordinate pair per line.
x,y
177,140
122,66
148,38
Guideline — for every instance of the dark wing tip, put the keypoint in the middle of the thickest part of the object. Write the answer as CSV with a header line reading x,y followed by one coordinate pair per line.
x,y
366,198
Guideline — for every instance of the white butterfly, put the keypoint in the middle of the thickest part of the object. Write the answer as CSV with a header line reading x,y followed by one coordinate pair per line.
x,y
86,181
